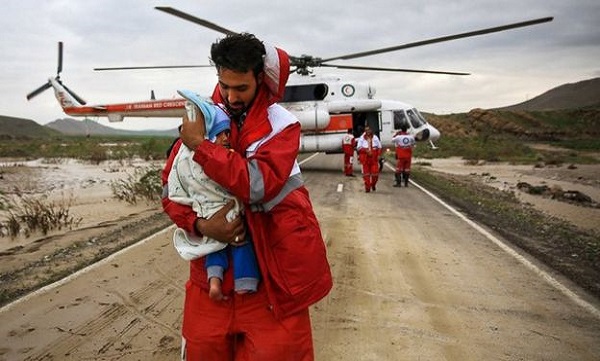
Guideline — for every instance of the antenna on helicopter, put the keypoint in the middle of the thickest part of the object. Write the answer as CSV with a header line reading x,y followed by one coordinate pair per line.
x,y
57,79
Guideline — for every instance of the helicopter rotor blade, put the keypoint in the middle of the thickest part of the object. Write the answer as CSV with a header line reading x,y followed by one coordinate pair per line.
x,y
196,20
77,97
441,39
60,58
153,67
39,90
355,67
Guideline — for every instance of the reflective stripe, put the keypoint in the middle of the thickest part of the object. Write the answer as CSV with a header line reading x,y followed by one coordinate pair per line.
x,y
165,191
257,182
294,182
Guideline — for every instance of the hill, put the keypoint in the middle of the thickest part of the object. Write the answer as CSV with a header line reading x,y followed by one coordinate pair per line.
x,y
70,126
582,94
20,128
567,112
550,125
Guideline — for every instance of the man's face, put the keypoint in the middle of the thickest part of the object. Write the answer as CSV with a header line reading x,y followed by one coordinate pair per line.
x,y
237,89
368,130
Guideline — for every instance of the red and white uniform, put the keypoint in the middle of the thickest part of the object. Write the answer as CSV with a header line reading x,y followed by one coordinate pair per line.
x,y
368,148
348,145
404,144
264,175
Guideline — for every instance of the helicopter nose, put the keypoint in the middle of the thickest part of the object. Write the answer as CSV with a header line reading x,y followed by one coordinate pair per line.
x,y
434,134
423,135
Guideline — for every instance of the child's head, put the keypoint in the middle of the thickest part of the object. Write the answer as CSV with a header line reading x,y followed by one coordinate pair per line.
x,y
220,130
223,138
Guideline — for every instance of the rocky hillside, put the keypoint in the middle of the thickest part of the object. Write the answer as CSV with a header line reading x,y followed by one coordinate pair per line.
x,y
568,96
570,111
530,125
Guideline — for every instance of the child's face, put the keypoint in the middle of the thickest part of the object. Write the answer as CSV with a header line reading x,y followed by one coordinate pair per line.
x,y
223,138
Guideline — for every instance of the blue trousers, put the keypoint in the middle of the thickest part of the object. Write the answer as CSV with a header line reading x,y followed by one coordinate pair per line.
x,y
245,267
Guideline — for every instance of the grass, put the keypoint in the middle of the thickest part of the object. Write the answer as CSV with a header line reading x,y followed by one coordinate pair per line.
x,y
95,149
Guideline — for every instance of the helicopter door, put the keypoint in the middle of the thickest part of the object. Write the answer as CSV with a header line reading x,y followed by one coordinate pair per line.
x,y
361,119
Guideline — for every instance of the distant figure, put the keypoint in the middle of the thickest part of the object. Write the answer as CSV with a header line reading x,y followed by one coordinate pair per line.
x,y
368,148
348,146
404,143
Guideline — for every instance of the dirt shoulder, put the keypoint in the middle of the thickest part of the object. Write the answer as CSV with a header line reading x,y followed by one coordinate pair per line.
x,y
105,224
561,233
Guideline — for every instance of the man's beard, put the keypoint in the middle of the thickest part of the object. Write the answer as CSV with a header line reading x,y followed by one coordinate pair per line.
x,y
235,112
238,111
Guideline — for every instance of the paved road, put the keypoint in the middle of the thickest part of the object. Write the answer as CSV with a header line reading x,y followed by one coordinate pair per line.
x,y
413,281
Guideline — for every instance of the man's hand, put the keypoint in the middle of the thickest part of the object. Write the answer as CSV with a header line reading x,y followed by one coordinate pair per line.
x,y
217,226
193,132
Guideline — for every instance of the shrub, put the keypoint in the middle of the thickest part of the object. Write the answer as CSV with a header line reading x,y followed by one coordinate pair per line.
x,y
143,184
29,214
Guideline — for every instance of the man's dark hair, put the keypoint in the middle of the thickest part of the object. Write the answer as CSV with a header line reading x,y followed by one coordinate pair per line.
x,y
404,127
239,52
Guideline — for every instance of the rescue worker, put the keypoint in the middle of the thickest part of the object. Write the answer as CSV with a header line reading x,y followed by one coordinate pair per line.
x,y
368,148
348,146
274,322
404,144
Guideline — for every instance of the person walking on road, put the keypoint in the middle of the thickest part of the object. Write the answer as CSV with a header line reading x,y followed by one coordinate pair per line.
x,y
404,144
368,148
348,146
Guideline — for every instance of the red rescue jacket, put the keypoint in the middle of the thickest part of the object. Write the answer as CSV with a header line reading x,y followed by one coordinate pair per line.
x,y
264,175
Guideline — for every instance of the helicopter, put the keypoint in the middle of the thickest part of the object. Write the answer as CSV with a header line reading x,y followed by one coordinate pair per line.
x,y
326,106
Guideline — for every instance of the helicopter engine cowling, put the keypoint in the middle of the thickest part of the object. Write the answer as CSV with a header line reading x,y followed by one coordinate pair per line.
x,y
328,143
358,105
312,119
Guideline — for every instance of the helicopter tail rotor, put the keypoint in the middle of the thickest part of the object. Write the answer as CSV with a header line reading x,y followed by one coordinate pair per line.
x,y
49,84
39,90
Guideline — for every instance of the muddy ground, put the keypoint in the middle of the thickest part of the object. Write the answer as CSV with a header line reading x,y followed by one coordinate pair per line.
x,y
108,224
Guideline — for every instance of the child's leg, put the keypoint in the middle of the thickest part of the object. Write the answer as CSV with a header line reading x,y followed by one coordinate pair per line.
x,y
215,264
245,268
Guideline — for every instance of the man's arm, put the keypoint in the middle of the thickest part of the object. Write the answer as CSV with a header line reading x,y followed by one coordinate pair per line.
x,y
259,178
217,227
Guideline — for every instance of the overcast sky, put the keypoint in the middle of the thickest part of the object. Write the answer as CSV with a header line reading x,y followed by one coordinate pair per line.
x,y
507,68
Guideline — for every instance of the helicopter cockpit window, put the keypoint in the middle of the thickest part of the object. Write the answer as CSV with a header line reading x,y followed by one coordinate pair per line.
x,y
400,119
415,119
308,92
